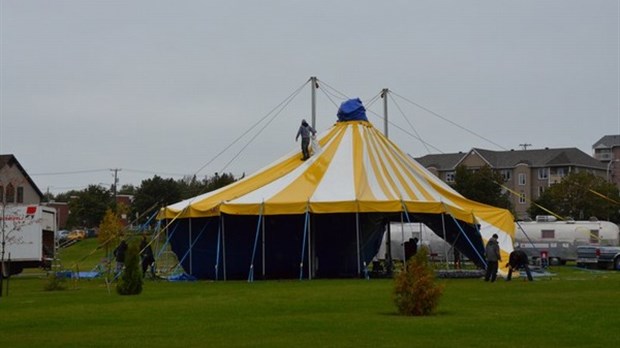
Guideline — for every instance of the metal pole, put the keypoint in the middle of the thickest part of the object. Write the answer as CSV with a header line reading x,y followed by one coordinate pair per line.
x,y
313,103
609,167
223,246
357,229
191,263
384,95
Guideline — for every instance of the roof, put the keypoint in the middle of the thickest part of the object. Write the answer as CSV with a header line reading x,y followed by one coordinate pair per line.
x,y
358,170
508,159
608,141
11,160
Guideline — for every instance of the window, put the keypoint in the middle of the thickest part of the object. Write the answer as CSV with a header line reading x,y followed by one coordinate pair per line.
x,y
522,198
10,193
522,179
541,190
543,173
506,175
449,176
560,172
20,194
594,236
1,194
547,234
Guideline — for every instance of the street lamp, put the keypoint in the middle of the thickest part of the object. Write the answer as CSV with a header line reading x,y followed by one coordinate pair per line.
x,y
609,166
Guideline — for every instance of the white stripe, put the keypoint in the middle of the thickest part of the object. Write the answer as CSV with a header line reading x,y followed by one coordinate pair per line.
x,y
338,183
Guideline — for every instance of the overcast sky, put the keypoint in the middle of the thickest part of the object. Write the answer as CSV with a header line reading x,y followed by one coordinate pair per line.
x,y
163,87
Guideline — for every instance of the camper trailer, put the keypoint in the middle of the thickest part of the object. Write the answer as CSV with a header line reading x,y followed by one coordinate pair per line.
x,y
27,233
557,241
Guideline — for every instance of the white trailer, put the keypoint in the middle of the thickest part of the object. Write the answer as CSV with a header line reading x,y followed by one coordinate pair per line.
x,y
558,240
27,235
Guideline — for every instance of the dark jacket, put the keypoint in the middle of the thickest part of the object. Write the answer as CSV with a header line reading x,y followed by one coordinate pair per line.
x,y
120,251
492,250
517,259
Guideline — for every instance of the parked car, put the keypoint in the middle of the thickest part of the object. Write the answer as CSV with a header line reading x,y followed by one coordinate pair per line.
x,y
62,235
76,235
603,257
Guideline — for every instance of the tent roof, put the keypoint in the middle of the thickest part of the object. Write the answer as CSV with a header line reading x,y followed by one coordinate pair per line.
x,y
357,170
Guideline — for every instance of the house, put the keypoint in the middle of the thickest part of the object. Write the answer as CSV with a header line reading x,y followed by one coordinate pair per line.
x,y
527,173
607,150
16,186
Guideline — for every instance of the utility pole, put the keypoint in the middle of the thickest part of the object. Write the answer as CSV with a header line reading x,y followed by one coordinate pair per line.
x,y
524,146
114,190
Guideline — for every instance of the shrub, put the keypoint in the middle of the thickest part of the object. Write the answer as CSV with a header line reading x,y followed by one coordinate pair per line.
x,y
130,282
415,290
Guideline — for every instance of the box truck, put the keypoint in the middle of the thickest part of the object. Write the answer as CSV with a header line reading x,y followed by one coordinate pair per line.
x,y
27,234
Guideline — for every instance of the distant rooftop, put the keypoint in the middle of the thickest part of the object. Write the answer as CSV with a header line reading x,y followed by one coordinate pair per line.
x,y
509,159
608,141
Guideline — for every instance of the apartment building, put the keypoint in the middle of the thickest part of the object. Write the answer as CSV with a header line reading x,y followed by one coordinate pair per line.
x,y
607,150
527,173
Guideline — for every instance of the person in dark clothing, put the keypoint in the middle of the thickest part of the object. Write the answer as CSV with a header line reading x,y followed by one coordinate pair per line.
x,y
304,131
146,254
493,257
119,254
518,260
411,248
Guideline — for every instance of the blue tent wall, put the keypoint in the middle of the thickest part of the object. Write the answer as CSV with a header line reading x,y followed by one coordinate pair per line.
x,y
335,245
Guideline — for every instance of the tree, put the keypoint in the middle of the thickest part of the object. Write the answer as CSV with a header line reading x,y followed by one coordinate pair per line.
x,y
155,192
130,282
415,289
88,207
110,229
580,196
481,186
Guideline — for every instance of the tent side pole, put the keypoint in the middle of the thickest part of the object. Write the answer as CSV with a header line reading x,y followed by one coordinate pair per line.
x,y
223,246
402,239
191,263
443,227
263,247
357,230
310,271
217,253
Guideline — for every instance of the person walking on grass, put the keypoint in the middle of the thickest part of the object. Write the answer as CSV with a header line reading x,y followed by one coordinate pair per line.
x,y
493,258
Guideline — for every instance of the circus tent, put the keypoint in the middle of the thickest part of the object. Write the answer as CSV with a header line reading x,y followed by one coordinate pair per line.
x,y
326,216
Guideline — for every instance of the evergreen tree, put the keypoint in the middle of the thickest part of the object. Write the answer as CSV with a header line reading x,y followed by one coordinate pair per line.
x,y
130,282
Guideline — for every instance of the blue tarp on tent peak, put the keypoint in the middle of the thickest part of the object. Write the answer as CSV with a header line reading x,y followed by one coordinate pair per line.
x,y
352,110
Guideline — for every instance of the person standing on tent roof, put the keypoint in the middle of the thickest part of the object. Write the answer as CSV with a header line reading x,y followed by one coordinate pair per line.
x,y
493,258
304,130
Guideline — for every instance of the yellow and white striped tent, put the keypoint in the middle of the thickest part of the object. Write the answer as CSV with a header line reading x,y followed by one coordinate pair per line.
x,y
357,171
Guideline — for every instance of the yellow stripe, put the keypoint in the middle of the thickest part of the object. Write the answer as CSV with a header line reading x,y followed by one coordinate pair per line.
x,y
378,167
302,188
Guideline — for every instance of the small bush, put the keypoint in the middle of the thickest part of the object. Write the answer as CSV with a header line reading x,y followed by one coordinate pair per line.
x,y
130,282
55,282
415,290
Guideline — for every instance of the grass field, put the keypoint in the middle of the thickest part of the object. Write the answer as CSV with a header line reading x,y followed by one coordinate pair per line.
x,y
575,308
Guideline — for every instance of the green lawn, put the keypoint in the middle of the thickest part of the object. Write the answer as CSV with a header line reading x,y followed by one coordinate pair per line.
x,y
575,308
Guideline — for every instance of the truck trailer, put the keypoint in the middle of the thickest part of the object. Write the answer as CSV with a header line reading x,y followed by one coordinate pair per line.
x,y
27,238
